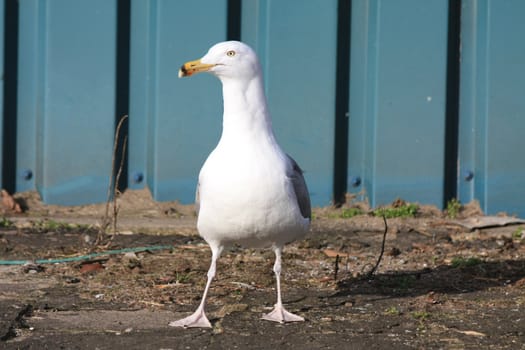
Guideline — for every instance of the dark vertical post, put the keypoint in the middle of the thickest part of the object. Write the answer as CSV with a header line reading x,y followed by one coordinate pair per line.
x,y
344,8
233,31
10,95
452,102
122,86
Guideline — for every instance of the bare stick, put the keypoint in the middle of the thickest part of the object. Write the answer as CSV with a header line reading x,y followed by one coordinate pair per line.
x,y
336,269
117,180
113,180
382,250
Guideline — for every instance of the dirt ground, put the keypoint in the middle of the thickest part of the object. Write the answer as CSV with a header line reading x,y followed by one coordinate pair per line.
x,y
440,285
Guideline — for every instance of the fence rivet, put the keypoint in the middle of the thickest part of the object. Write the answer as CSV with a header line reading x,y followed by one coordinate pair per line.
x,y
355,181
27,174
469,175
138,177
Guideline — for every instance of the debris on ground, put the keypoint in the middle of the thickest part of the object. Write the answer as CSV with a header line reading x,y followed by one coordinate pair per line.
x,y
439,285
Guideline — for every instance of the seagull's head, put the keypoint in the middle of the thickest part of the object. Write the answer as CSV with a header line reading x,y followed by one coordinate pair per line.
x,y
229,59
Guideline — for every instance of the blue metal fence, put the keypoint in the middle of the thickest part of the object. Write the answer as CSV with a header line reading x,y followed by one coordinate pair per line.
x,y
363,94
297,43
2,73
66,98
397,99
173,123
492,109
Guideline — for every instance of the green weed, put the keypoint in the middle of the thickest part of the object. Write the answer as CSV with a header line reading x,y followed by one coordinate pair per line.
x,y
6,223
420,315
393,311
400,283
453,208
406,210
461,262
405,282
518,233
348,213
182,277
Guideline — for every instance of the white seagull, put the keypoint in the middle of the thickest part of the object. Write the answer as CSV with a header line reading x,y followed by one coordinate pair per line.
x,y
250,192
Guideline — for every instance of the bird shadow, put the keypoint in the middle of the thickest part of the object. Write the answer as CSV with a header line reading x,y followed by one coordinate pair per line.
x,y
462,276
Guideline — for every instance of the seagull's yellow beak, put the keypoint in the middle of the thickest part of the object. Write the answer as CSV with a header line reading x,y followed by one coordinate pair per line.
x,y
192,67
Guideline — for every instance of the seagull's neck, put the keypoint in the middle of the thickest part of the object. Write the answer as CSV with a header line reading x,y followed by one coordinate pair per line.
x,y
245,110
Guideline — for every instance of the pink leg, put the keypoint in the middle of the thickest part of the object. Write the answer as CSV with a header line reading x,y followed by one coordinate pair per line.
x,y
198,318
279,313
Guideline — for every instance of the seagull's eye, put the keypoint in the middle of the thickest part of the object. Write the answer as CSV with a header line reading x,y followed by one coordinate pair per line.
x,y
230,53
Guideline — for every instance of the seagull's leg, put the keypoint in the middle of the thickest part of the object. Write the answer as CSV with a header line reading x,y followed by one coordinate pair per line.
x,y
279,313
198,318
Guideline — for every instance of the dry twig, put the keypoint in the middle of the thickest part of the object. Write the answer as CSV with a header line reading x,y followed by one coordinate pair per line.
x,y
117,180
113,185
371,273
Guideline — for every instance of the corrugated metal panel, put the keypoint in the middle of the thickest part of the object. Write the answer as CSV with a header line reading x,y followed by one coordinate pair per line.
x,y
66,98
397,100
68,77
2,8
28,106
297,44
174,123
492,107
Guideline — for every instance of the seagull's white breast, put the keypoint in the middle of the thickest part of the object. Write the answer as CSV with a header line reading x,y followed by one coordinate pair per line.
x,y
246,196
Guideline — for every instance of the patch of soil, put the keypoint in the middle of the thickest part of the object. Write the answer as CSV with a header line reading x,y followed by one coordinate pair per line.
x,y
439,286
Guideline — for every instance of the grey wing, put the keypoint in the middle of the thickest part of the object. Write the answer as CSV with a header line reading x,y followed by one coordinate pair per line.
x,y
300,189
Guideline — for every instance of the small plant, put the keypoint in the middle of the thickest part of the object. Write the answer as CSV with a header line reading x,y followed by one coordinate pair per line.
x,y
400,283
453,208
52,225
348,213
5,222
461,262
405,282
182,277
435,259
406,210
518,233
420,315
392,310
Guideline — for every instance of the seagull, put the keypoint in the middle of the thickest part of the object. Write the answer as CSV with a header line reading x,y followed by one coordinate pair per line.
x,y
249,192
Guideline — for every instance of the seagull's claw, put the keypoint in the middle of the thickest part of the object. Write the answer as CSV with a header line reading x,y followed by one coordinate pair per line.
x,y
197,320
279,314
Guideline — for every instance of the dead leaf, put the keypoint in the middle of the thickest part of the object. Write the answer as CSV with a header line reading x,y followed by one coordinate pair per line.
x,y
192,247
164,286
520,282
473,333
150,303
432,298
10,203
91,267
334,253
